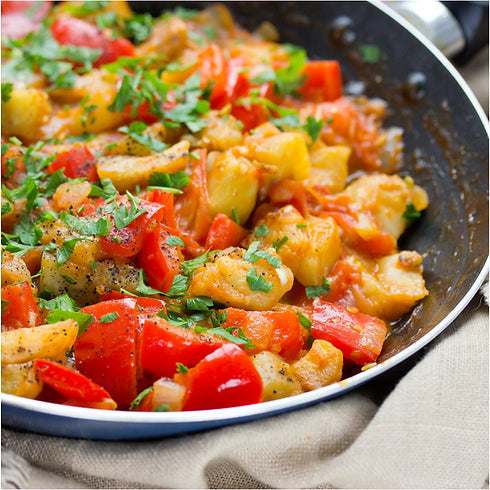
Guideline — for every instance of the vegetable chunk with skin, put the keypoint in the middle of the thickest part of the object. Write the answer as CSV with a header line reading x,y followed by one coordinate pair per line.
x,y
230,279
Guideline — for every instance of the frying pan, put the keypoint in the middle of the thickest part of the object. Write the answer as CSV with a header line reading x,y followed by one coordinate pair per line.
x,y
446,151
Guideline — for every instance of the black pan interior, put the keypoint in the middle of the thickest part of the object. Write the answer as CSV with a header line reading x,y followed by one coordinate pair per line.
x,y
446,142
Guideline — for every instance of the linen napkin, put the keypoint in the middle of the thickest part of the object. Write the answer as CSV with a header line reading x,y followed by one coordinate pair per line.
x,y
431,431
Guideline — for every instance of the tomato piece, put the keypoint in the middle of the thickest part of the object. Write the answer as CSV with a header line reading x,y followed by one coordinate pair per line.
x,y
159,258
289,191
77,32
77,162
360,337
275,331
127,241
166,199
106,351
164,345
212,70
224,232
69,383
224,378
20,310
20,18
323,82
192,206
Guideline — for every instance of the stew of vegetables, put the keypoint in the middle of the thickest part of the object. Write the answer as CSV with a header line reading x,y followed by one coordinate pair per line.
x,y
193,216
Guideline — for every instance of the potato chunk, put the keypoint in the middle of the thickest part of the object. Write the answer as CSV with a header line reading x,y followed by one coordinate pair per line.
x,y
312,246
49,341
20,380
85,281
229,279
233,183
329,166
286,152
321,366
126,172
387,197
392,285
24,113
14,269
277,376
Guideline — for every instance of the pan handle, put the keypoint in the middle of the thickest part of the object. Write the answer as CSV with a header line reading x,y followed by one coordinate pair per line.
x,y
458,28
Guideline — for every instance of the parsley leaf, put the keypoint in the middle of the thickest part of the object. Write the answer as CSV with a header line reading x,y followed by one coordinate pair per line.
x,y
313,127
178,180
261,230
136,131
109,317
410,214
134,404
256,282
66,250
253,254
316,291
7,89
189,266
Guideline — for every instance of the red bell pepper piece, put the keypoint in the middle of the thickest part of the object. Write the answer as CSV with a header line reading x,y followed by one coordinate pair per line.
x,y
323,82
159,258
192,206
164,345
360,337
225,378
20,310
166,199
275,331
212,69
127,241
77,32
77,162
69,383
106,351
224,232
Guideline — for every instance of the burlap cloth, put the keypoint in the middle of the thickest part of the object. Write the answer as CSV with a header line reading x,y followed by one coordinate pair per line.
x,y
425,425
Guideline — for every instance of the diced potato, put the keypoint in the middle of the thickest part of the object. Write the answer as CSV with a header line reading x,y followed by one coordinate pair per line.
x,y
286,152
70,195
392,285
311,249
329,166
222,132
386,197
50,341
321,366
233,183
277,377
24,113
20,380
99,118
127,172
14,269
85,281
224,279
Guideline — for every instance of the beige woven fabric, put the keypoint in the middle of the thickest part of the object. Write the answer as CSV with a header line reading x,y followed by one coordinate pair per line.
x,y
431,431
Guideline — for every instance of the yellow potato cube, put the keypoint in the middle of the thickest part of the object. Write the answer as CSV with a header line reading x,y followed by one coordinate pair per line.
x,y
321,366
50,341
233,183
24,113
20,380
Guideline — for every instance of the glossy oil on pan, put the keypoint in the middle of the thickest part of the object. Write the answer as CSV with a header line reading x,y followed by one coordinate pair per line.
x,y
446,151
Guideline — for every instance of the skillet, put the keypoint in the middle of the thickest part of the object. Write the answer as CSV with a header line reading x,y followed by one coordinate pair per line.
x,y
446,151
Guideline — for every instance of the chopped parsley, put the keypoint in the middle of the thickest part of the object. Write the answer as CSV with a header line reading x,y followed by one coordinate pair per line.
x,y
316,291
252,254
109,317
257,282
411,214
